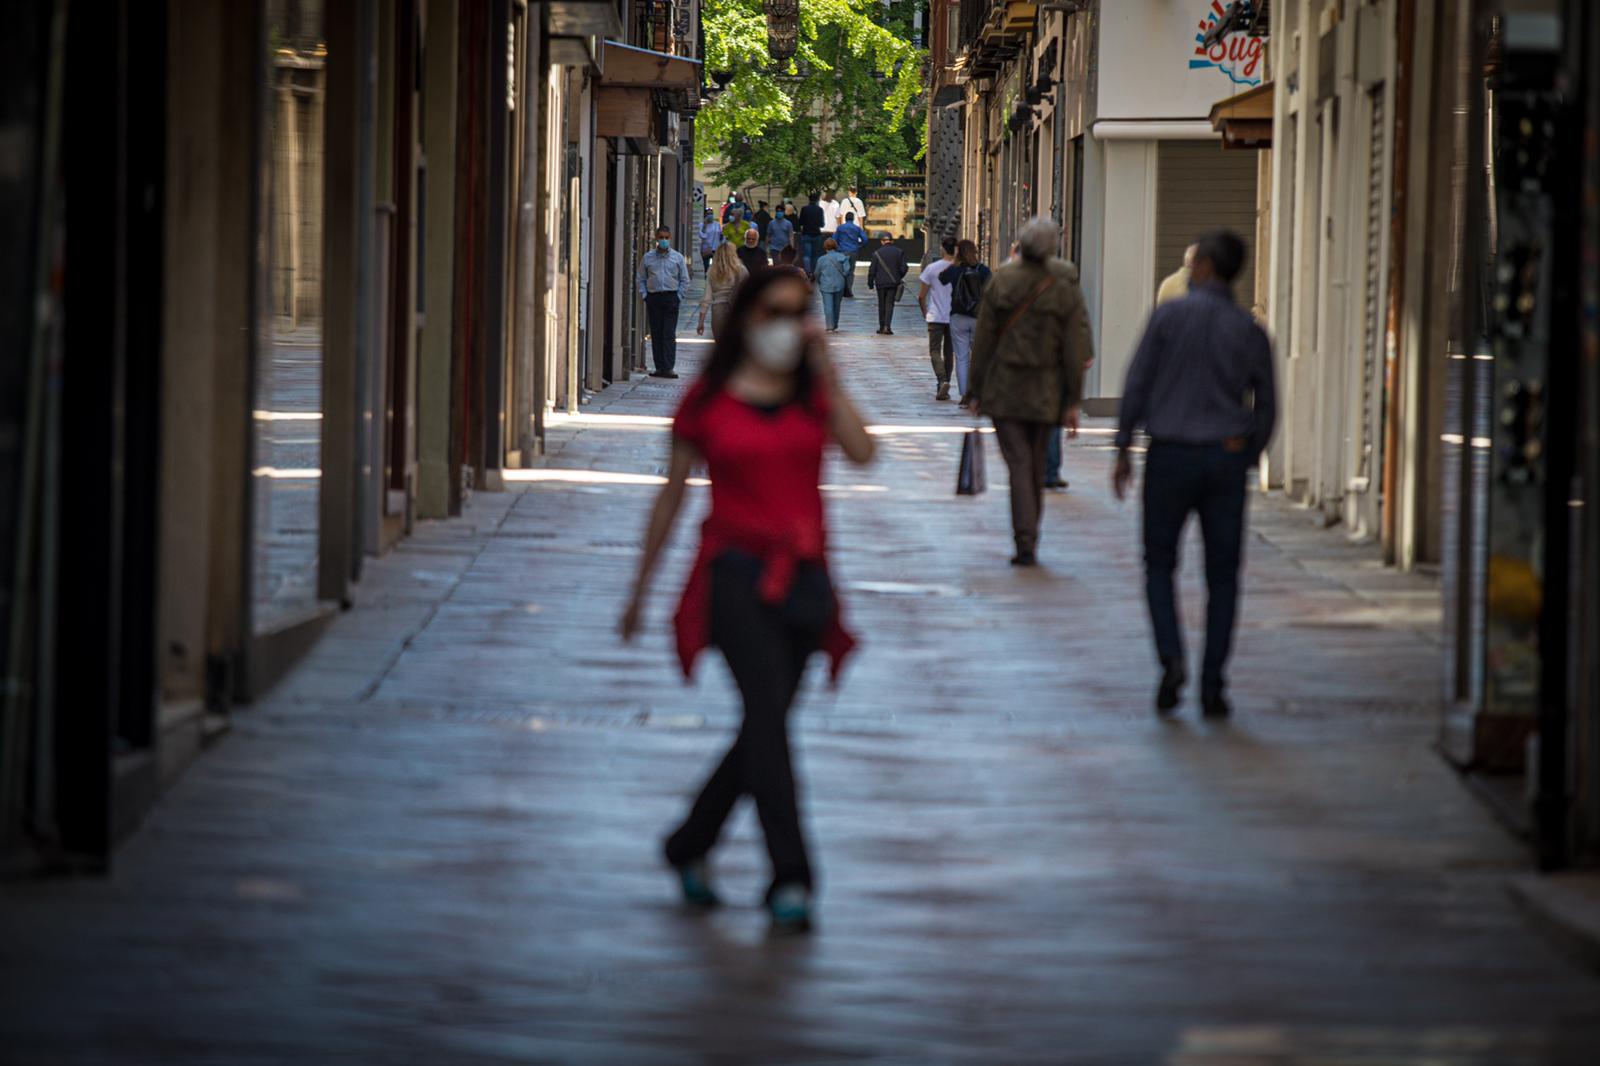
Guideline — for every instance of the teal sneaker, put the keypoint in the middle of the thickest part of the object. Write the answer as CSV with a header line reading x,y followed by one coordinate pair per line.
x,y
790,907
695,880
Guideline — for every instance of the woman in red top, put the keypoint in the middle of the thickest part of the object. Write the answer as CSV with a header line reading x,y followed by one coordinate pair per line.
x,y
758,418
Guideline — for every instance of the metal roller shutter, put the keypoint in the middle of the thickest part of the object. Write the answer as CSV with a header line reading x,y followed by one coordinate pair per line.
x,y
1372,322
1199,188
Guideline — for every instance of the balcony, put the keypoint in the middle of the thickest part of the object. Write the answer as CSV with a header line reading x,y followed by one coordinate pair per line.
x,y
992,32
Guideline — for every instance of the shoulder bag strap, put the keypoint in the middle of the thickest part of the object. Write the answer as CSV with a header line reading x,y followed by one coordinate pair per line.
x,y
1038,291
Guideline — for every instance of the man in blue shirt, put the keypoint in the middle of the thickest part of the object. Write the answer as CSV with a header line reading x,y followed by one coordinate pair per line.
x,y
850,237
1201,384
663,283
710,238
780,232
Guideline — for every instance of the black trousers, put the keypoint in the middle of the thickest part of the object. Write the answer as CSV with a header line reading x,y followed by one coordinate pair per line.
x,y
766,647
661,308
1208,479
886,299
850,278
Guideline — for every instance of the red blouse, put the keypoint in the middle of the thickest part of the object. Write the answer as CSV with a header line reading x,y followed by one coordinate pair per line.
x,y
764,469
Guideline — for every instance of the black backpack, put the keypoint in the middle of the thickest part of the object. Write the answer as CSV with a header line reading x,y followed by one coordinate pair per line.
x,y
967,293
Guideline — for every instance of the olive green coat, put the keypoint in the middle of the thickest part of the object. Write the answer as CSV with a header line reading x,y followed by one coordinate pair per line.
x,y
1034,371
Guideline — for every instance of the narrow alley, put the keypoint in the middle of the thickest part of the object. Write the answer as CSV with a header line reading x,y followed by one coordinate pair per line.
x,y
437,840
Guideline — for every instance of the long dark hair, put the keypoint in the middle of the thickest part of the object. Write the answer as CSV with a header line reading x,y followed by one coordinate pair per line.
x,y
966,253
729,349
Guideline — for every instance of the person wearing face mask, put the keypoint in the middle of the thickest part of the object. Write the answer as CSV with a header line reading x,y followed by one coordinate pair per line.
x,y
663,280
758,419
780,232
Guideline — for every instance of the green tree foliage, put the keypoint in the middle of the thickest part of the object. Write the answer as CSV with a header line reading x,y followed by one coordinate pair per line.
x,y
840,112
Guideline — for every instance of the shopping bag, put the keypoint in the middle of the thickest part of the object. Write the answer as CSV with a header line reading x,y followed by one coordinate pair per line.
x,y
970,479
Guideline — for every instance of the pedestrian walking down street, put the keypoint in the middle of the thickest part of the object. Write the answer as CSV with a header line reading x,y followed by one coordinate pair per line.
x,y
833,273
831,215
850,237
750,253
710,240
810,223
758,419
1175,286
934,300
886,273
966,278
1028,353
780,232
1201,385
762,219
851,204
722,280
663,280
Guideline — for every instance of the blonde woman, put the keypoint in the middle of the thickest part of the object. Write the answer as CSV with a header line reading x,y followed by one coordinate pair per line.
x,y
721,280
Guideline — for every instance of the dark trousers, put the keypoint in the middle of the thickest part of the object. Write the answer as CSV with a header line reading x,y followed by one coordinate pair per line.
x,y
1023,445
1208,479
766,647
1052,457
941,350
886,298
662,310
850,278
811,250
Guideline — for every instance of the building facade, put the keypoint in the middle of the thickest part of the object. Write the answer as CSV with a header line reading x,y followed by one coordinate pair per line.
x,y
304,273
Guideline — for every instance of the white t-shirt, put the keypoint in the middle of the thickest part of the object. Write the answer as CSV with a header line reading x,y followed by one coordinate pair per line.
x,y
938,293
830,215
853,204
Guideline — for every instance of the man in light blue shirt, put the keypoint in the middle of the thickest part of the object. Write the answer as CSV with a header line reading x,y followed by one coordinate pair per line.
x,y
710,237
780,232
663,283
850,237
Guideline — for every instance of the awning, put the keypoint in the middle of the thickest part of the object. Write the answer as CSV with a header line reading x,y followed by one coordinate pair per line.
x,y
639,68
1137,129
1245,120
582,18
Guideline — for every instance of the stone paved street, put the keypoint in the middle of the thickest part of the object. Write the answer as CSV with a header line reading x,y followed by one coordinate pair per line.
x,y
437,841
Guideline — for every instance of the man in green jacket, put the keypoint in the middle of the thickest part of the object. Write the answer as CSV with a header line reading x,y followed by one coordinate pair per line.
x,y
1029,351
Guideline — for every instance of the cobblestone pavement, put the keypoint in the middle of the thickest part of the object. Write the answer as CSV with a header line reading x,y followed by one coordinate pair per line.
x,y
438,841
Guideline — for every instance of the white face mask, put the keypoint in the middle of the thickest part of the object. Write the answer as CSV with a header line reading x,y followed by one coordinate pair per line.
x,y
775,344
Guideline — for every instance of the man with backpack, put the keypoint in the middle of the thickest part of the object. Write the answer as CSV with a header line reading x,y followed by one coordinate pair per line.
x,y
966,278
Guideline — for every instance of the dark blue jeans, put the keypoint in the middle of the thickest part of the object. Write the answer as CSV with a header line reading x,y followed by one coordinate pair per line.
x,y
1052,458
1210,480
810,250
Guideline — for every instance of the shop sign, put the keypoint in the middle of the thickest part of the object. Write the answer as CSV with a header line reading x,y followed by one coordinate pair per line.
x,y
1237,55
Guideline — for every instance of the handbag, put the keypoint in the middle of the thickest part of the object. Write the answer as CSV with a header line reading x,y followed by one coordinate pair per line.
x,y
971,479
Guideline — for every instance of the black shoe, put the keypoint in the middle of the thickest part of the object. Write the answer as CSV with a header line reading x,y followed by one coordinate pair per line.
x,y
888,333
944,391
1171,690
663,373
694,880
1214,705
1023,558
1056,483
